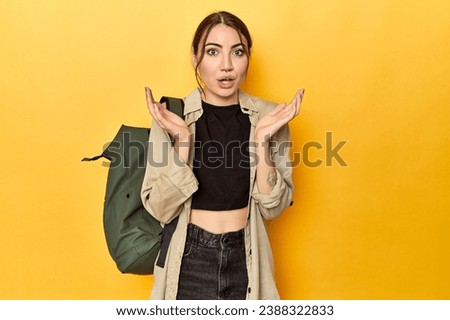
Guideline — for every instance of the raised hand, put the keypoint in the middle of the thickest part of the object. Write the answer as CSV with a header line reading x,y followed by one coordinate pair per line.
x,y
268,125
167,120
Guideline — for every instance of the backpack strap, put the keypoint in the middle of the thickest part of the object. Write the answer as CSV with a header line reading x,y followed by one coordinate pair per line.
x,y
167,234
175,105
93,158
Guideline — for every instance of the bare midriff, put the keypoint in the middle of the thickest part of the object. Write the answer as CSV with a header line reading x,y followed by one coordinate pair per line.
x,y
220,221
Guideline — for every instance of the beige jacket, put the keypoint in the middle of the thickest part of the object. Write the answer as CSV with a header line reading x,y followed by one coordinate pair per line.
x,y
169,184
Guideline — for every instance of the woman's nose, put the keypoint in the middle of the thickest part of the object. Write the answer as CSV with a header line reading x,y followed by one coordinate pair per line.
x,y
227,64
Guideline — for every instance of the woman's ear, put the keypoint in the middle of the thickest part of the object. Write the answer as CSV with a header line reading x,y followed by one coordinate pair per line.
x,y
194,59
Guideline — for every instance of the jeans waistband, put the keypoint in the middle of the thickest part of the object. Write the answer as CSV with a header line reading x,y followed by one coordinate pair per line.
x,y
197,235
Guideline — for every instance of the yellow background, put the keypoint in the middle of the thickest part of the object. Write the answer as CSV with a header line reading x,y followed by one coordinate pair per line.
x,y
376,73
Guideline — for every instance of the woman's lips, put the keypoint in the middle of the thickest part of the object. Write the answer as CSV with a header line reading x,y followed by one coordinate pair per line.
x,y
226,82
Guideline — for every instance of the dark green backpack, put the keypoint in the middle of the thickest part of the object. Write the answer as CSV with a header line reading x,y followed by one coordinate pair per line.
x,y
133,236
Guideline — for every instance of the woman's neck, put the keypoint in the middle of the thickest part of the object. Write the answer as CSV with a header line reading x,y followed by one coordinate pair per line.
x,y
220,101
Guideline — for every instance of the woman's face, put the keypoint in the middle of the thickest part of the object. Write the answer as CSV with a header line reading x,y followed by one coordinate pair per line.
x,y
224,65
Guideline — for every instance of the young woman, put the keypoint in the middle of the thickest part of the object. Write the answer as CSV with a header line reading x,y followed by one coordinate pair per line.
x,y
221,178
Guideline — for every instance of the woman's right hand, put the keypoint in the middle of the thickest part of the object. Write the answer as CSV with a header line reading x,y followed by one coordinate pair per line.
x,y
167,120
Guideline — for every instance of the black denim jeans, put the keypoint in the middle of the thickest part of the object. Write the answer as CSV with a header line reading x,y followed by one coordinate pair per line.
x,y
213,266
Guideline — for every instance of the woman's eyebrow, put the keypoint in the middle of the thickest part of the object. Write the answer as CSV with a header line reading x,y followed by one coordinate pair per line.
x,y
220,46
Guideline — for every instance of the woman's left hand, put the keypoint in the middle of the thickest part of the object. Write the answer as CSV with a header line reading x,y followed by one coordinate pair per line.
x,y
268,125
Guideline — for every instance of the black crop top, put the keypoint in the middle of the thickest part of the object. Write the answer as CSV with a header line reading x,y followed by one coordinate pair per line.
x,y
221,161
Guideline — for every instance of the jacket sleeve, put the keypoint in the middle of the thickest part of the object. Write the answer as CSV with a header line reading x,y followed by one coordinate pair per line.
x,y
168,181
273,203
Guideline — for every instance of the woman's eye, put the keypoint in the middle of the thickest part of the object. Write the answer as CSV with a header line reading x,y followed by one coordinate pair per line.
x,y
238,52
212,52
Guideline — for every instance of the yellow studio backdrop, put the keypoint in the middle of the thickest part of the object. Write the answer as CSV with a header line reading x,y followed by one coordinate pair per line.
x,y
370,218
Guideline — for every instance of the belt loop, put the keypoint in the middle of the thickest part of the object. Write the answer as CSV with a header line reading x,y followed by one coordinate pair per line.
x,y
194,239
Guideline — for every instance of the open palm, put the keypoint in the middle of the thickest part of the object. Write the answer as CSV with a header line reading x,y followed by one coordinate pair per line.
x,y
168,121
271,122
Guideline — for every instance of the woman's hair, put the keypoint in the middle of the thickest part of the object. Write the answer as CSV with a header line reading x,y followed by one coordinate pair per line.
x,y
205,27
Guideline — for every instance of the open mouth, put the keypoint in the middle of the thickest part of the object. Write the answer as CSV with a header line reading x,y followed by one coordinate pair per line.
x,y
226,80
